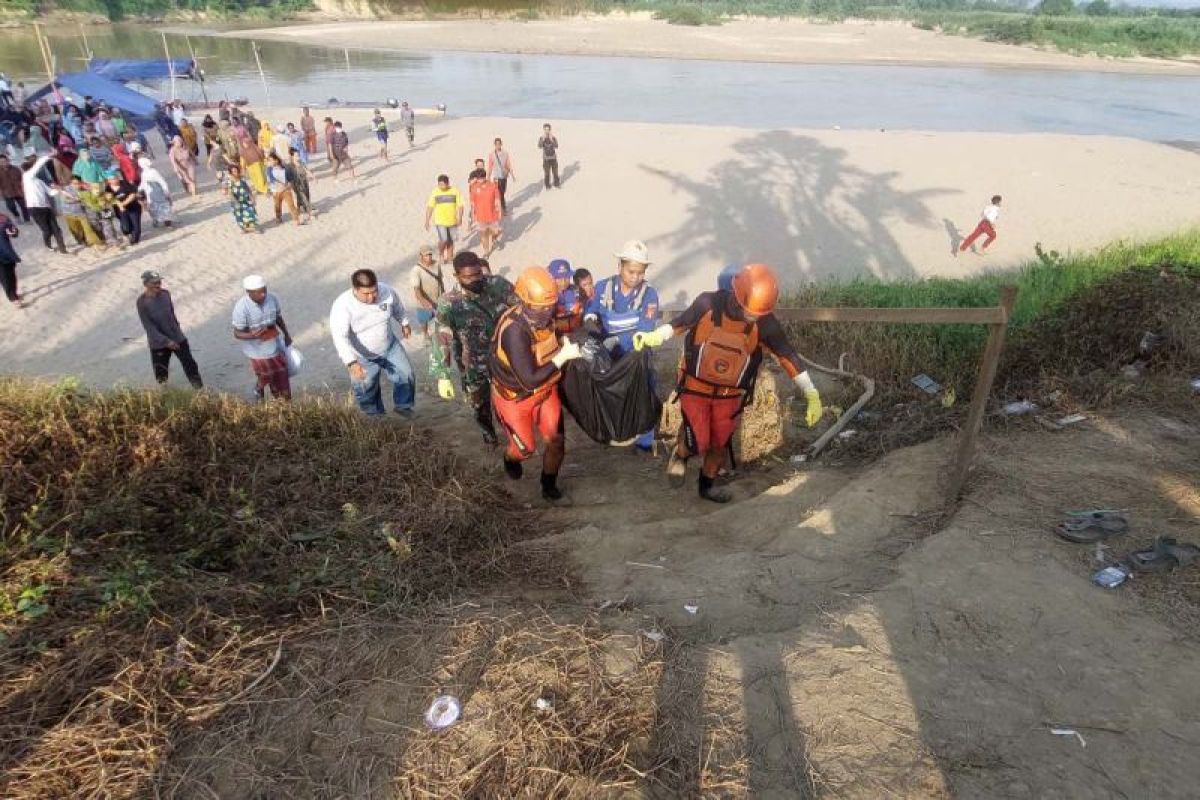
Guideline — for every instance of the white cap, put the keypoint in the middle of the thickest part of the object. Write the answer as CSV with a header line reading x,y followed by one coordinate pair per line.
x,y
252,283
633,250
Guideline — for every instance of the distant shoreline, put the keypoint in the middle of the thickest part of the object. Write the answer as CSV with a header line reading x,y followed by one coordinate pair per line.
x,y
637,35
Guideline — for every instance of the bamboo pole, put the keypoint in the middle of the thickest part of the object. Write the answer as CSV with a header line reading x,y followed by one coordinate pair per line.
x,y
261,74
983,389
170,64
44,46
87,48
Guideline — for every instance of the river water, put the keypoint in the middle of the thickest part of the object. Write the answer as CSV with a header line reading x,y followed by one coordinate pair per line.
x,y
1154,107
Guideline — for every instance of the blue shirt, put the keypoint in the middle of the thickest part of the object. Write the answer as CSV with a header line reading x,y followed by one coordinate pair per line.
x,y
622,315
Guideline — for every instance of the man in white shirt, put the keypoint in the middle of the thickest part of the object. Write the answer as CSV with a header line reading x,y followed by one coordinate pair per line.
x,y
986,226
258,324
360,322
39,197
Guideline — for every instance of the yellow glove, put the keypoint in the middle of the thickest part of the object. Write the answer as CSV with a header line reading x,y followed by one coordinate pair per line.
x,y
654,338
445,389
813,414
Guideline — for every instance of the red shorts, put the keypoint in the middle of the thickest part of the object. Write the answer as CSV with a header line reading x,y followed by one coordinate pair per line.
x,y
708,422
272,372
520,417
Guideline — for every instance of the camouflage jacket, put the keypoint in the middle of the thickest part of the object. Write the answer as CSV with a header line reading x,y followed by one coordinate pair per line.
x,y
471,320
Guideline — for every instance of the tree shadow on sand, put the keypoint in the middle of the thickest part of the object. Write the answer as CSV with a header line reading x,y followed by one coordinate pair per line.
x,y
796,203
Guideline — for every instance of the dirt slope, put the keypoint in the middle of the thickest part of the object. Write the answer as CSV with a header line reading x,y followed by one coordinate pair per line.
x,y
849,641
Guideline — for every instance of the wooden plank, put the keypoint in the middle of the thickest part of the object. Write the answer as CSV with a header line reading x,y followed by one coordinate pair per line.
x,y
979,399
906,316
993,315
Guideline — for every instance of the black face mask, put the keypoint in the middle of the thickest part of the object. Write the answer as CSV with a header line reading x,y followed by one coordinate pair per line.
x,y
540,317
476,286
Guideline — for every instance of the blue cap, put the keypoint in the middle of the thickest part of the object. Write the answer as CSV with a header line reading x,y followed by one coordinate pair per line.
x,y
560,269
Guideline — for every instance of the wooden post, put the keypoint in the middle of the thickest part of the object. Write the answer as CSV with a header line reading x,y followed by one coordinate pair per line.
x,y
983,389
88,55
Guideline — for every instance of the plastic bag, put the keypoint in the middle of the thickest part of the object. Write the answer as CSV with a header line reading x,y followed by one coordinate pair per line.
x,y
295,360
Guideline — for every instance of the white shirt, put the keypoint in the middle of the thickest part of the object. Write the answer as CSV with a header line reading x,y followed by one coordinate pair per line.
x,y
4,85
991,213
177,115
38,193
250,316
362,330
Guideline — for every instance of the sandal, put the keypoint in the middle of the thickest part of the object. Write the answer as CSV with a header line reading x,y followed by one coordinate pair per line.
x,y
1164,555
1085,527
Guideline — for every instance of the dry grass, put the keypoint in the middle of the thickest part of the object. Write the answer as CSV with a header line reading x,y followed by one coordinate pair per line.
x,y
157,547
353,726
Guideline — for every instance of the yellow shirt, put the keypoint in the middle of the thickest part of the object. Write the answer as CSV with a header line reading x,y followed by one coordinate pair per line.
x,y
445,204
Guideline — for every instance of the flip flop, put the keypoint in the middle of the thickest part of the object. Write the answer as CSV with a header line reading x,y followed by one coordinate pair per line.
x,y
1164,555
1085,527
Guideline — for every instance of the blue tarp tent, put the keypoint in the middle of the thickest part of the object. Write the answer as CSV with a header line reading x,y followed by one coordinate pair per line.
x,y
80,84
141,69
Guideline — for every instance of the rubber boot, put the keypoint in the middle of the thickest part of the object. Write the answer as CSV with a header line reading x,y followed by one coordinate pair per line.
x,y
713,493
513,469
550,490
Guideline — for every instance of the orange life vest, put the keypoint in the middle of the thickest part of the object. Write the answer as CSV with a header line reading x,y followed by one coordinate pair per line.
x,y
718,355
545,346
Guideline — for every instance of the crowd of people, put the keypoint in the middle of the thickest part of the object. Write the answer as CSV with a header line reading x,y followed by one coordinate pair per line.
x,y
508,342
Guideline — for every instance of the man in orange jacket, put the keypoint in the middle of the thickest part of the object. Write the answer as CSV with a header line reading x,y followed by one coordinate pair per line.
x,y
726,334
526,364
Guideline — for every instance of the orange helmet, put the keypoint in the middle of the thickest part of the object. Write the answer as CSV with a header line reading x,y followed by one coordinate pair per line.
x,y
535,287
756,289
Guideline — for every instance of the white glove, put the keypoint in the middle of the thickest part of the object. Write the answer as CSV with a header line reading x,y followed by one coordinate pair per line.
x,y
568,351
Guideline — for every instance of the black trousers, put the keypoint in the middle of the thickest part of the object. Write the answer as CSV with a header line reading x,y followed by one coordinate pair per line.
x,y
8,279
502,185
550,166
160,359
131,223
47,221
17,207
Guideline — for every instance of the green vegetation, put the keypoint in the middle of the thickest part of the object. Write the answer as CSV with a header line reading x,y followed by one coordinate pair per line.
x,y
1156,283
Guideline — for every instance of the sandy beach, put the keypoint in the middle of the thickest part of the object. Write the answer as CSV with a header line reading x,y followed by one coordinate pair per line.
x,y
815,204
768,40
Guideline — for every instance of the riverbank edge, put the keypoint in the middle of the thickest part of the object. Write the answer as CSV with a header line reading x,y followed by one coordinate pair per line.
x,y
282,29
1056,61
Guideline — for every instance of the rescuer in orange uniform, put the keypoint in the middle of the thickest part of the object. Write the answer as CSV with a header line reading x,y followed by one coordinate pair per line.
x,y
526,365
726,334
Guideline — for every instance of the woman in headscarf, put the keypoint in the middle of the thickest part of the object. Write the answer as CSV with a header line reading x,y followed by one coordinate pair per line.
x,y
73,123
189,136
208,129
265,136
184,164
66,148
128,204
227,142
123,162
35,137
158,195
105,127
241,201
120,125
252,164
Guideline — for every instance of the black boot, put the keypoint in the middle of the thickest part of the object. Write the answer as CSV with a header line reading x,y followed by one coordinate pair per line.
x,y
513,469
550,489
710,492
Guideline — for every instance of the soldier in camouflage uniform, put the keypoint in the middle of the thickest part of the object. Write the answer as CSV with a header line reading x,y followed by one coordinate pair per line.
x,y
469,312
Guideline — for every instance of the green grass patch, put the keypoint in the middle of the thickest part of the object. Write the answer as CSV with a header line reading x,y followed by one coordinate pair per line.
x,y
950,353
